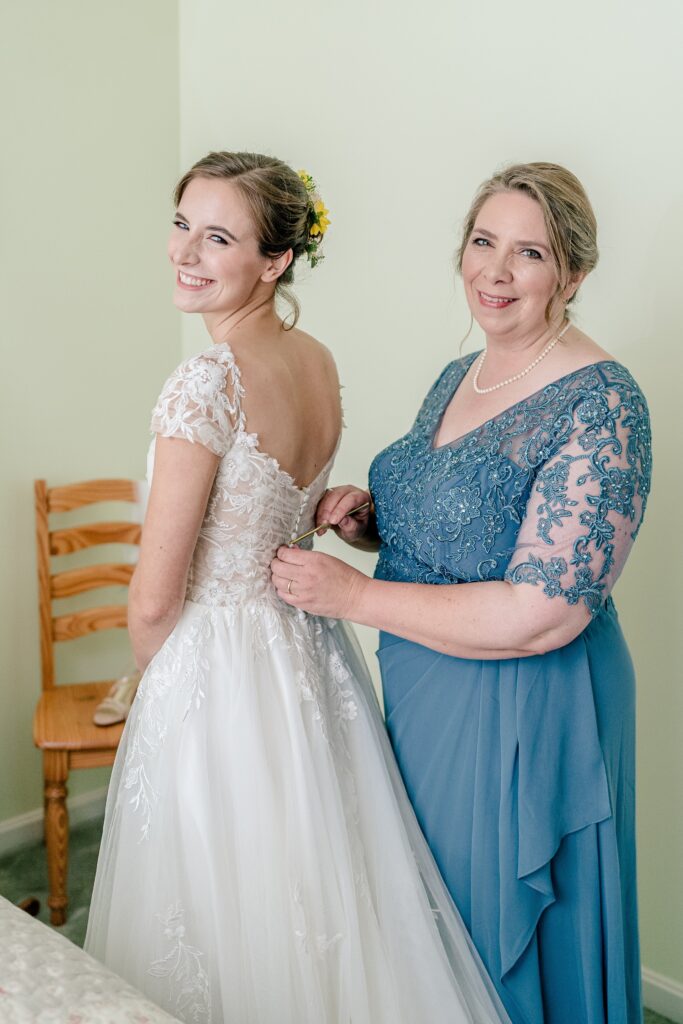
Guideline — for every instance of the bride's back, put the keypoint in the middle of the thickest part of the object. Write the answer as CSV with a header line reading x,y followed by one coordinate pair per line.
x,y
272,414
291,402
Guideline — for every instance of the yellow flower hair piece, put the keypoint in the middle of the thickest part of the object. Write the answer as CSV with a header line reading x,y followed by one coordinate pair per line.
x,y
318,219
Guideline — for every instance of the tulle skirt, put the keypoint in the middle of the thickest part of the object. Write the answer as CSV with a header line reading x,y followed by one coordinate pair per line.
x,y
261,863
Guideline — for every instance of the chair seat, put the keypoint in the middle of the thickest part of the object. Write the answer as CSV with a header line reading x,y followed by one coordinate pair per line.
x,y
63,719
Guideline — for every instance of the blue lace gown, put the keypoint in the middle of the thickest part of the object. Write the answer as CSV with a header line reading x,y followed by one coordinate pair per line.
x,y
521,770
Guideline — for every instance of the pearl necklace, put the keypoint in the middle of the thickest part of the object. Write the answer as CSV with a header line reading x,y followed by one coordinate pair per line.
x,y
518,376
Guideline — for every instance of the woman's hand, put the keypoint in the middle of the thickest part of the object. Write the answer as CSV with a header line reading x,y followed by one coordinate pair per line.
x,y
317,583
335,506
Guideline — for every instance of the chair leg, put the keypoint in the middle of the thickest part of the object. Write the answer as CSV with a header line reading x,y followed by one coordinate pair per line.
x,y
56,772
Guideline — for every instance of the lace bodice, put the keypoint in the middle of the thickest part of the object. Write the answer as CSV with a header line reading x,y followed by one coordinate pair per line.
x,y
254,505
550,492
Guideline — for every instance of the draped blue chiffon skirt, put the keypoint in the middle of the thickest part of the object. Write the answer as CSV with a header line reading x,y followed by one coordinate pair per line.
x,y
522,775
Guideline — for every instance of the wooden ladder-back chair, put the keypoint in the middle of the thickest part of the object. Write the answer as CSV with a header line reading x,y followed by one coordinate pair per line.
x,y
63,725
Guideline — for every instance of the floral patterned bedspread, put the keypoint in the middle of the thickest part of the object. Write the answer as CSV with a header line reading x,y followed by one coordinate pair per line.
x,y
46,979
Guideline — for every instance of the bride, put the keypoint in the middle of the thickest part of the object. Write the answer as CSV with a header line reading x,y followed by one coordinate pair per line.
x,y
260,862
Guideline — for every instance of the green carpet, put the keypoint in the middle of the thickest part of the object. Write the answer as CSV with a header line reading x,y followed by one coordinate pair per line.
x,y
24,874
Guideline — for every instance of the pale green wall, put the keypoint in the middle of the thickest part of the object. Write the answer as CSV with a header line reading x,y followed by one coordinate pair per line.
x,y
399,110
90,144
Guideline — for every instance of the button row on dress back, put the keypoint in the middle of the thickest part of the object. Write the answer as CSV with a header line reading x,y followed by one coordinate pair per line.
x,y
302,504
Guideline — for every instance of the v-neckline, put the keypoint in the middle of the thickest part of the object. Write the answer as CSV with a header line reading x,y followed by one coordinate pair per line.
x,y
456,440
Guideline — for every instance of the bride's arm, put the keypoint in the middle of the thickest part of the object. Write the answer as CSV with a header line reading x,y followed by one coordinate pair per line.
x,y
181,484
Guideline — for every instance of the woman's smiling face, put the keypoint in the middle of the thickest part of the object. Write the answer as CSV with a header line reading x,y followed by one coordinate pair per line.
x,y
214,249
508,269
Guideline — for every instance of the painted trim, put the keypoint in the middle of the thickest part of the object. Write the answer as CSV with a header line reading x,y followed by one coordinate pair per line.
x,y
663,995
27,828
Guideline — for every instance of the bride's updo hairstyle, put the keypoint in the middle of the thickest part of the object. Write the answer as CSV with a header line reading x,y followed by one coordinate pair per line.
x,y
568,214
278,202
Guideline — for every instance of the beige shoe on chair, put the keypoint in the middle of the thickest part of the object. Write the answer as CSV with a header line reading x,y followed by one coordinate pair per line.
x,y
116,705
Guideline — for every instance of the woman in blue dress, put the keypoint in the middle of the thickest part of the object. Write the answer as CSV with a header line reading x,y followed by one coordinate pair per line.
x,y
503,518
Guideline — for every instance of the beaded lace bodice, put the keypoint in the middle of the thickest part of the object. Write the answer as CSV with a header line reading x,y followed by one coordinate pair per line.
x,y
254,505
550,492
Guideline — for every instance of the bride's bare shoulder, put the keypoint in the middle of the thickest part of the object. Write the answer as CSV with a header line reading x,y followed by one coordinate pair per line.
x,y
306,341
311,348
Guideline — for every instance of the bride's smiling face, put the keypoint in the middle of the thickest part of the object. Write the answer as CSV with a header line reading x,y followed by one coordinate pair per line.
x,y
214,249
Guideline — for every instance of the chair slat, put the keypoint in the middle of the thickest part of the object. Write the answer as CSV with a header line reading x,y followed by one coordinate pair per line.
x,y
43,562
75,538
70,627
77,581
63,499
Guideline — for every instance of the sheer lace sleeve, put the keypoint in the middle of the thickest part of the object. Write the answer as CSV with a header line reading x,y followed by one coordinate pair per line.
x,y
588,500
201,401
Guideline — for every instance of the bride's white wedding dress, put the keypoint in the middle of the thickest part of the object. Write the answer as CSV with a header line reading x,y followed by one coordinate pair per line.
x,y
261,863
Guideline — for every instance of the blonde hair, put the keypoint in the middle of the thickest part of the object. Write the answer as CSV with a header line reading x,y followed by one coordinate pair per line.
x,y
567,212
278,203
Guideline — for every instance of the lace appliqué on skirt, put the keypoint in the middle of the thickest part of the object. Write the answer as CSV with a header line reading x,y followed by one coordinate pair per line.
x,y
182,966
173,671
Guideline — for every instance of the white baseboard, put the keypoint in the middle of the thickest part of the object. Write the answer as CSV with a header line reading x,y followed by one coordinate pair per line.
x,y
663,995
27,828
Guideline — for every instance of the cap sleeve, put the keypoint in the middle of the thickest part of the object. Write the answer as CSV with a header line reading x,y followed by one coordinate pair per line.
x,y
201,402
588,500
